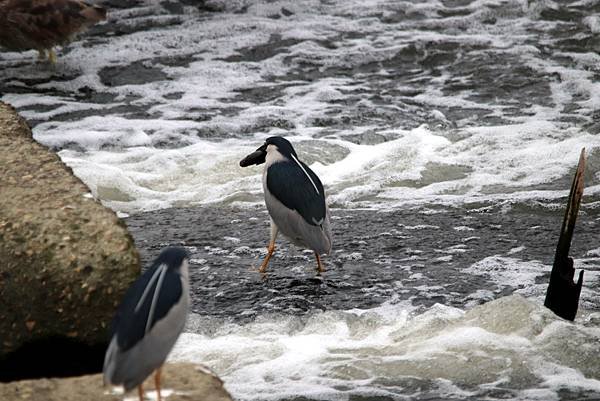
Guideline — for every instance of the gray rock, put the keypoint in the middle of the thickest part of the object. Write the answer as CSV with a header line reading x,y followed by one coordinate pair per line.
x,y
65,260
186,381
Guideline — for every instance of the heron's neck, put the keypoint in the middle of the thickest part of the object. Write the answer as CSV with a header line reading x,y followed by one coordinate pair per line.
x,y
184,270
273,156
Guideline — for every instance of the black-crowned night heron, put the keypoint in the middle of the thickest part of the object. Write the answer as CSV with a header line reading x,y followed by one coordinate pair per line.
x,y
148,322
43,24
295,199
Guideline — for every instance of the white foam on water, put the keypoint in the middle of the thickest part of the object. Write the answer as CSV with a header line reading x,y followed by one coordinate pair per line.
x,y
512,271
466,161
398,350
594,252
500,158
593,22
521,276
142,178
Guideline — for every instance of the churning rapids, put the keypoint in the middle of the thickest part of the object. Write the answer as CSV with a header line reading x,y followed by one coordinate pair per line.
x,y
446,133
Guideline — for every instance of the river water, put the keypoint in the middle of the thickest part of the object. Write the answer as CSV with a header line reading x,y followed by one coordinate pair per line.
x,y
446,134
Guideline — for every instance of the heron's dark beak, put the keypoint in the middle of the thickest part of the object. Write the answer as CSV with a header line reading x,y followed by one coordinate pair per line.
x,y
256,157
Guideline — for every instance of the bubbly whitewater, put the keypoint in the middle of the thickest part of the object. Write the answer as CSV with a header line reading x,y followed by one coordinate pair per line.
x,y
433,108
510,348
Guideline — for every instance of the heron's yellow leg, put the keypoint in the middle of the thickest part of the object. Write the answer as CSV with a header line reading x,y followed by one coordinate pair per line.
x,y
141,392
52,56
320,267
270,248
265,263
157,382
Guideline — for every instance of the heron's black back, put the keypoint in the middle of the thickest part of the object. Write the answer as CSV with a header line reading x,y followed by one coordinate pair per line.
x,y
290,185
130,325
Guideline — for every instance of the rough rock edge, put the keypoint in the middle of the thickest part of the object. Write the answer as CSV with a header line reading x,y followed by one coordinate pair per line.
x,y
50,227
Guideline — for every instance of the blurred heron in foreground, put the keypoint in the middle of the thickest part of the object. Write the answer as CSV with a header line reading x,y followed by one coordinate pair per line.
x,y
148,322
295,199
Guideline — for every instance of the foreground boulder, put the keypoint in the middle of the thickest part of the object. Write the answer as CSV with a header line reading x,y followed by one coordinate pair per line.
x,y
179,382
65,262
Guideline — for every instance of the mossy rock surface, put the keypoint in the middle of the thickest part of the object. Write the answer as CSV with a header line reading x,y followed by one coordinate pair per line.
x,y
65,259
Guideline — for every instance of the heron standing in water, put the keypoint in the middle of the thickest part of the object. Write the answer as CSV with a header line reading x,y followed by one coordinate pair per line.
x,y
295,199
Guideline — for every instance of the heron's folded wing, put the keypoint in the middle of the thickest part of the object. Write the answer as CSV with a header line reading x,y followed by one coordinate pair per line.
x,y
147,301
298,188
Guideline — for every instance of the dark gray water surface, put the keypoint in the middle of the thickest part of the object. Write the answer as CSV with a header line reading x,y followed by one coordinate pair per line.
x,y
418,255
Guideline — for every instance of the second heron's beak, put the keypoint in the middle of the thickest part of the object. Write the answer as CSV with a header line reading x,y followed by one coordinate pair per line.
x,y
256,157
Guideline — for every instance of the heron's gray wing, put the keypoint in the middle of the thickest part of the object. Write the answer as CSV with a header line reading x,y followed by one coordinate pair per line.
x,y
147,301
299,189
